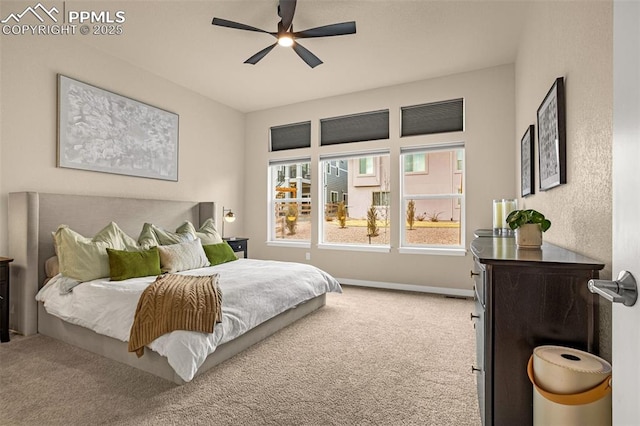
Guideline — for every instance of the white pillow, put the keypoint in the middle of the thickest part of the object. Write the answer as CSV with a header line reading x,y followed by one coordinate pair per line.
x,y
84,258
207,233
182,256
153,235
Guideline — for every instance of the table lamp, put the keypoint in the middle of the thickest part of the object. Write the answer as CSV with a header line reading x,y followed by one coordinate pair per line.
x,y
227,216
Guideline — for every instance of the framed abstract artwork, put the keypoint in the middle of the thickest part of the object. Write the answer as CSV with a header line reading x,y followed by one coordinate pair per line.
x,y
552,138
102,131
527,164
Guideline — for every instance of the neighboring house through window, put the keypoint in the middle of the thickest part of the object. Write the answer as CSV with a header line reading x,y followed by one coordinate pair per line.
x,y
434,199
365,192
290,195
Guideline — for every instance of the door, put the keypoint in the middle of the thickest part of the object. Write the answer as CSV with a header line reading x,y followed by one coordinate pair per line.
x,y
626,205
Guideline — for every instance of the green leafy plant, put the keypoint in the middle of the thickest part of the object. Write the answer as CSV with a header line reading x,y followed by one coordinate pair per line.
x,y
517,218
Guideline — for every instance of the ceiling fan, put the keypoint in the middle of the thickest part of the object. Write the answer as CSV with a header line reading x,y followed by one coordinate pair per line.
x,y
287,37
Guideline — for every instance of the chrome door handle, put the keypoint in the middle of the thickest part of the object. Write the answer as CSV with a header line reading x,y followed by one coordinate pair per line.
x,y
623,290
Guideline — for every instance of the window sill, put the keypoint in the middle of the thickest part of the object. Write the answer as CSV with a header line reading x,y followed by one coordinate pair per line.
x,y
293,244
454,251
350,247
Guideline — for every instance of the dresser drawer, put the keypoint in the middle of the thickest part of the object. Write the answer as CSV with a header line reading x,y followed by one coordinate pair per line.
x,y
479,274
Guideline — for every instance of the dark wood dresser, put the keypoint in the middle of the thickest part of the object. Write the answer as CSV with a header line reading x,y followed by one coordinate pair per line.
x,y
4,298
526,298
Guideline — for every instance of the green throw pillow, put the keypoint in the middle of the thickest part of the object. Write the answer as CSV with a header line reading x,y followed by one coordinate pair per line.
x,y
219,253
131,264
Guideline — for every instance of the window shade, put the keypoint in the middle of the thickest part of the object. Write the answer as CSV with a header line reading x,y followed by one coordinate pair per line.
x,y
355,128
291,136
436,117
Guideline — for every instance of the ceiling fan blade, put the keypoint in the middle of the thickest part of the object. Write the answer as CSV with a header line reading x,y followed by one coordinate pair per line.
x,y
238,26
286,9
342,28
311,59
261,54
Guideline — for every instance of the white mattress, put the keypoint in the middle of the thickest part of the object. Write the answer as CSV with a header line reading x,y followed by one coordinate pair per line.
x,y
253,291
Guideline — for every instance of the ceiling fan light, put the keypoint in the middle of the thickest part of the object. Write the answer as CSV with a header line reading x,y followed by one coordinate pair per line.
x,y
285,40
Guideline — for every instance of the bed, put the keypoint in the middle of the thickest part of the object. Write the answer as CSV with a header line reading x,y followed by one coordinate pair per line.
x,y
34,216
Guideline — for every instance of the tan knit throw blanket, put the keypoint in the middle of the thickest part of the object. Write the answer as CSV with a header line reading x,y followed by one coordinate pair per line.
x,y
175,302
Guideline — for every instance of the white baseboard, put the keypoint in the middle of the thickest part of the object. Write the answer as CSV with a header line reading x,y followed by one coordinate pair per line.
x,y
408,287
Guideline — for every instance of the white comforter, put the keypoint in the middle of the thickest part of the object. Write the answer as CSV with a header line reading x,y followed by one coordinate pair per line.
x,y
253,291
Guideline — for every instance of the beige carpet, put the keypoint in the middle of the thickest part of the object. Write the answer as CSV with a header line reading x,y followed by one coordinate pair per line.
x,y
370,357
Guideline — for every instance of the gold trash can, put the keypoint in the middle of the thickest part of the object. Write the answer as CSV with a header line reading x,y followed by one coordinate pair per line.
x,y
570,387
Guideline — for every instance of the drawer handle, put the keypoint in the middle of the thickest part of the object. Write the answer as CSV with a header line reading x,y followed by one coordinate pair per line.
x,y
472,274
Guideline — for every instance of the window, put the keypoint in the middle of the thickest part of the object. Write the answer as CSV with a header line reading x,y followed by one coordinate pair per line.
x,y
290,196
460,155
357,201
415,163
433,203
380,198
366,166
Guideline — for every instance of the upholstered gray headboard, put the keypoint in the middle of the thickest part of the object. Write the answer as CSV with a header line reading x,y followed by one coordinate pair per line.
x,y
34,216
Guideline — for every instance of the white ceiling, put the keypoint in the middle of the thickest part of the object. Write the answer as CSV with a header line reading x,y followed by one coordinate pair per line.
x,y
397,41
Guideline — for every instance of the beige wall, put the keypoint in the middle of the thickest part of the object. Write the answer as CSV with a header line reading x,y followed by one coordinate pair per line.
x,y
489,117
574,40
211,135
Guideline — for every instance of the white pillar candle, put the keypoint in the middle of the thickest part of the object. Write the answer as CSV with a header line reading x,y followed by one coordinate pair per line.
x,y
498,211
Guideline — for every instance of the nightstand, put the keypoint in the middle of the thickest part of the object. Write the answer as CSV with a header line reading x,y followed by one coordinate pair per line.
x,y
4,298
239,244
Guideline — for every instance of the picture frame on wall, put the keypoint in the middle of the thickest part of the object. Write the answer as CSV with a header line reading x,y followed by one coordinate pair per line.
x,y
552,138
102,131
527,164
